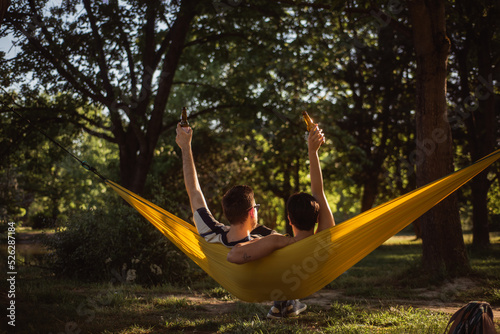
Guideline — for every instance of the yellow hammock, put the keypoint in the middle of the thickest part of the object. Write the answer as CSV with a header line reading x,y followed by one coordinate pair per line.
x,y
304,267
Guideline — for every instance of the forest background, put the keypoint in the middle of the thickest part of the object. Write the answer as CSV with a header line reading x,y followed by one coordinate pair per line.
x,y
108,79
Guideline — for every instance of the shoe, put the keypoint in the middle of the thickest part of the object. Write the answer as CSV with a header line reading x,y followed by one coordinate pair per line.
x,y
278,310
287,308
295,308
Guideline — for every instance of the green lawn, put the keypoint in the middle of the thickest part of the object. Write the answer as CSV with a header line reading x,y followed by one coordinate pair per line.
x,y
381,294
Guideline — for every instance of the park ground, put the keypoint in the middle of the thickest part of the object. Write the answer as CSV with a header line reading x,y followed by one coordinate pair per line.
x,y
381,294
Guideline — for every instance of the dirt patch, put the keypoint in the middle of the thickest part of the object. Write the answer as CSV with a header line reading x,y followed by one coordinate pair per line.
x,y
428,298
31,237
210,304
324,299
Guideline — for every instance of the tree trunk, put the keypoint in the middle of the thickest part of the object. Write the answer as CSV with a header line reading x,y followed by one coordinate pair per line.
x,y
483,141
134,163
370,191
480,230
442,241
136,145
477,111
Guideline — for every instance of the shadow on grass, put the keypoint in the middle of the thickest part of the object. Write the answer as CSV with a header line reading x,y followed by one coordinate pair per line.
x,y
46,304
395,271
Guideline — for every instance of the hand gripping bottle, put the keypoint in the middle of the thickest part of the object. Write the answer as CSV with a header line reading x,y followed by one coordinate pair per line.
x,y
309,122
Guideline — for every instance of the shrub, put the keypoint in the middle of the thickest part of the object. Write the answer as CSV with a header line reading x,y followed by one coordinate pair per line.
x,y
116,244
41,221
4,226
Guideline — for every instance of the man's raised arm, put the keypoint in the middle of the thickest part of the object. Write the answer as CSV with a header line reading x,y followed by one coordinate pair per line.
x,y
183,139
314,141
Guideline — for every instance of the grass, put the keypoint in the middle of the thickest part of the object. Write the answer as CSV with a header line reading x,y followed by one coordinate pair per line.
x,y
369,300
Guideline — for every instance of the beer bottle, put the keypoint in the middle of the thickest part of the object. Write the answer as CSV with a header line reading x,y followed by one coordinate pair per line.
x,y
309,122
184,120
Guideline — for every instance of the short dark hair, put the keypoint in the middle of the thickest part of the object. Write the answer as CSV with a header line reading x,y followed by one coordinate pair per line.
x,y
236,203
303,211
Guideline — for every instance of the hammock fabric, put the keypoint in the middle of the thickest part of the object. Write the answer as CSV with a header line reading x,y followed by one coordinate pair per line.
x,y
304,267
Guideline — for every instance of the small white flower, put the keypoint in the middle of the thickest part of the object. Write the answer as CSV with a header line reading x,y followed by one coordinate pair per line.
x,y
108,260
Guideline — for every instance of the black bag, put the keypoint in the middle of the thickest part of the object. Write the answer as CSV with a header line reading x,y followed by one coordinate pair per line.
x,y
473,318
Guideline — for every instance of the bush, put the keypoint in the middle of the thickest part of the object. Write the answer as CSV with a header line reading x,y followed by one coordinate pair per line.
x,y
4,227
116,244
41,221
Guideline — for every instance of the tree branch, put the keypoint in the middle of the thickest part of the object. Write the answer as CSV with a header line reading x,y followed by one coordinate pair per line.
x,y
196,84
138,114
59,60
216,37
4,5
93,122
130,59
380,15
303,4
133,123
179,31
163,46
197,114
96,133
101,60
63,120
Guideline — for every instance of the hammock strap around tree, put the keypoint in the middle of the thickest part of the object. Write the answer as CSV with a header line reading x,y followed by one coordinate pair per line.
x,y
304,267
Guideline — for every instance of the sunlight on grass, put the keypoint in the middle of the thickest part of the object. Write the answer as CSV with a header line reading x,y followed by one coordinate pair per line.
x,y
219,293
495,237
165,288
134,329
377,275
256,325
495,296
244,309
388,274
403,240
343,318
199,324
173,303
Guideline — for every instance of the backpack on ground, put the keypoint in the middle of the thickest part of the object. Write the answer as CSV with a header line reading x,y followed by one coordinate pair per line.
x,y
473,318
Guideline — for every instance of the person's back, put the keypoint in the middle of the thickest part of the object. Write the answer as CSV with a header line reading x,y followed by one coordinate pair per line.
x,y
239,208
303,210
238,204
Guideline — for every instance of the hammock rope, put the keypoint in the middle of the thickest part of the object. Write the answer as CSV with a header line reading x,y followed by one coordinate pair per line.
x,y
83,163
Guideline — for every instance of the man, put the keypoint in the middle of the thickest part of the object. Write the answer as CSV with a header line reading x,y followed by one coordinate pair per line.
x,y
238,205
304,211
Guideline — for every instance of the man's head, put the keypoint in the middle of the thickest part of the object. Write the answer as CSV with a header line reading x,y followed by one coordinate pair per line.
x,y
237,202
303,211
